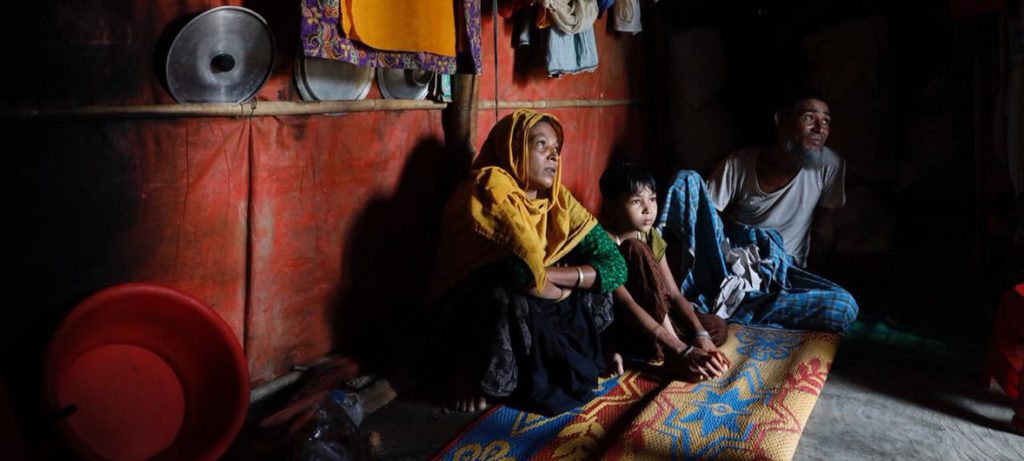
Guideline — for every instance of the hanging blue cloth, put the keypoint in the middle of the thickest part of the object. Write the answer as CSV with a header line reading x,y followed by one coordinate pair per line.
x,y
790,298
571,53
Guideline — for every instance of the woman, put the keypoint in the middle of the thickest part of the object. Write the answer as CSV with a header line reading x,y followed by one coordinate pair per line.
x,y
524,274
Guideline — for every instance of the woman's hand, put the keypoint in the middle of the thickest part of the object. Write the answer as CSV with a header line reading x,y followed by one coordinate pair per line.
x,y
721,358
572,277
705,343
709,364
697,365
550,291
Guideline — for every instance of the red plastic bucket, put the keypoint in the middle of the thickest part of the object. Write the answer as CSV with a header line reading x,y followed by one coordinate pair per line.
x,y
144,371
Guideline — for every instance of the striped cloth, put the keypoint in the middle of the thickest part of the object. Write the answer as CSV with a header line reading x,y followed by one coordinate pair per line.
x,y
794,298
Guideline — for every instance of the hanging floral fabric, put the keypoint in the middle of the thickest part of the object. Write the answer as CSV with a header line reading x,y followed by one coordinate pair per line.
x,y
432,35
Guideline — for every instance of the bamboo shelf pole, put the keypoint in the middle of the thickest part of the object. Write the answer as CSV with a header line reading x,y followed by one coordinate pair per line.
x,y
257,109
279,108
557,103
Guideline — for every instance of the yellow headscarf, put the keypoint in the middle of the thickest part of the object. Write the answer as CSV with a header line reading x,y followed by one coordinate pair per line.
x,y
490,217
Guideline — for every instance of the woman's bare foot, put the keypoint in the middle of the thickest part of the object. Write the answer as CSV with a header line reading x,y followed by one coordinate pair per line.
x,y
677,369
617,368
465,397
468,404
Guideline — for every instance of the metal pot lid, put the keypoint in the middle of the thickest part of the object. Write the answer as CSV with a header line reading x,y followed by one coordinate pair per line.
x,y
303,91
328,80
404,83
223,55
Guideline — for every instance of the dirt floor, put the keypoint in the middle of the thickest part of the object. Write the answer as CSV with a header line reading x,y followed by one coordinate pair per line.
x,y
878,409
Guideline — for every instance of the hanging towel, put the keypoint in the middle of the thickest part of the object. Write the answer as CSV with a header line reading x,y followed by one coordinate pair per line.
x,y
626,14
571,16
571,53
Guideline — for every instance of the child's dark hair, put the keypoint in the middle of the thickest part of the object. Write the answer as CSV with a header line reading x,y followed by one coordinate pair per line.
x,y
625,178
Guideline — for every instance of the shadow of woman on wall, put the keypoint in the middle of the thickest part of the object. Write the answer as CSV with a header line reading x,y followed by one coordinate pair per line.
x,y
388,259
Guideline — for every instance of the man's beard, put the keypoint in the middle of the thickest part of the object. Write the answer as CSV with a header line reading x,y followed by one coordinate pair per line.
x,y
806,157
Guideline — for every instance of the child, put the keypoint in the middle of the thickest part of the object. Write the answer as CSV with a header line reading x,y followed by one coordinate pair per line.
x,y
651,316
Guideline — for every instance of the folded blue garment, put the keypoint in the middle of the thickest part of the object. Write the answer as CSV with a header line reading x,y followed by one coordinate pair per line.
x,y
571,53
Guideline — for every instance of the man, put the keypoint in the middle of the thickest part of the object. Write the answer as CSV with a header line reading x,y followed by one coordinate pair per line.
x,y
784,185
769,192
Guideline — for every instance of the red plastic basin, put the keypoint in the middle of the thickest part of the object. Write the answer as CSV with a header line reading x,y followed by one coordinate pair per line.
x,y
145,371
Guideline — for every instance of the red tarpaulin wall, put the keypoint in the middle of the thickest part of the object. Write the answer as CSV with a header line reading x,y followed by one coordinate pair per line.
x,y
283,225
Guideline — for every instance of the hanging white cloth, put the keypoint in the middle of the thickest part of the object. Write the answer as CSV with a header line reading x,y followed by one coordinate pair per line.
x,y
626,16
571,16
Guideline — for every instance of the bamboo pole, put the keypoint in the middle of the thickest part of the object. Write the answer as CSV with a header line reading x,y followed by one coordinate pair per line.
x,y
279,108
558,103
251,109
460,121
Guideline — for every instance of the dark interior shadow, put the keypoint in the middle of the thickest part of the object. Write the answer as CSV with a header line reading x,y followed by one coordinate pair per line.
x,y
75,193
389,258
621,153
283,19
22,376
624,151
528,61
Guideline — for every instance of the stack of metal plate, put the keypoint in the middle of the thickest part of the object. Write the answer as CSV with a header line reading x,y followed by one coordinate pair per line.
x,y
329,80
404,83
